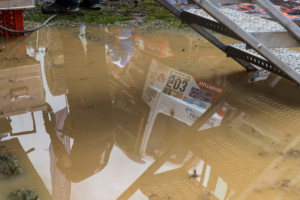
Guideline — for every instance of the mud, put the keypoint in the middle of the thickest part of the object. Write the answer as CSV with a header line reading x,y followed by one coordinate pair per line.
x,y
118,113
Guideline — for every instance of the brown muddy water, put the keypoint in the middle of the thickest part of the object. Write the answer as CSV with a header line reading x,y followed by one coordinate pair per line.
x,y
118,113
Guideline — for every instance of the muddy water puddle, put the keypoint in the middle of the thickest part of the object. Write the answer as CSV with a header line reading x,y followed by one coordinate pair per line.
x,y
120,113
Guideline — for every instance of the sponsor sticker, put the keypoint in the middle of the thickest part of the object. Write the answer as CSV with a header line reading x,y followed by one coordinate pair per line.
x,y
196,103
150,94
209,92
260,75
191,114
180,75
177,94
222,111
167,90
161,77
167,51
211,122
200,94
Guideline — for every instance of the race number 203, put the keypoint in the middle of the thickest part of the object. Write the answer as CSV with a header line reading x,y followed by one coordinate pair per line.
x,y
177,83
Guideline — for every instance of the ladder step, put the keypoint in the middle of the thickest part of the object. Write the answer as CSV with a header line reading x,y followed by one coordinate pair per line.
x,y
271,39
245,21
290,57
276,39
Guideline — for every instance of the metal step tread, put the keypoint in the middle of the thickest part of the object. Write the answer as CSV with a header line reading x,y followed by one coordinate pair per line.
x,y
290,57
247,22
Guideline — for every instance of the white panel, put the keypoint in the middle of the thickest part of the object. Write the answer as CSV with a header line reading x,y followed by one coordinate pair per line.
x,y
221,189
206,176
16,4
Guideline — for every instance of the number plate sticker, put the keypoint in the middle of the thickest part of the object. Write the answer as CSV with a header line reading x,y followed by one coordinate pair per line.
x,y
176,84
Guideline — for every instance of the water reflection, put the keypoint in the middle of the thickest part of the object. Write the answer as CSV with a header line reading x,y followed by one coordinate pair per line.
x,y
125,114
119,49
21,93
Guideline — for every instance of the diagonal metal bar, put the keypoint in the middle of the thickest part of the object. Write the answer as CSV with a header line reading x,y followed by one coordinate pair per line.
x,y
171,8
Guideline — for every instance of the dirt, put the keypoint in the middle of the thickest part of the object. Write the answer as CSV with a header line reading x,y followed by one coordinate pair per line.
x,y
294,153
284,184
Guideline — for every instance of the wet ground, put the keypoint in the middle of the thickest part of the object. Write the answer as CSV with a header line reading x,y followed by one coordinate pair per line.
x,y
117,113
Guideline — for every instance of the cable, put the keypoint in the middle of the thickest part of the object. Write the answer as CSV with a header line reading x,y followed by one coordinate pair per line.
x,y
24,38
29,30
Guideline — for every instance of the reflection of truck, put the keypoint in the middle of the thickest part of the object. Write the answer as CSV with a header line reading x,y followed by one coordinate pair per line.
x,y
170,98
179,95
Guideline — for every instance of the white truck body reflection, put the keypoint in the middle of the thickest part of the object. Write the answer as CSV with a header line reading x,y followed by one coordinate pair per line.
x,y
179,95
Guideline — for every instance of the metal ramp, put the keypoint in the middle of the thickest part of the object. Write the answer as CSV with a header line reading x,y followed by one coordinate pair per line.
x,y
264,44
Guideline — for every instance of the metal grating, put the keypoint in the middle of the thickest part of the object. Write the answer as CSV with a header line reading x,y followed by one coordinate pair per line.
x,y
227,156
245,21
274,109
259,34
174,184
290,57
